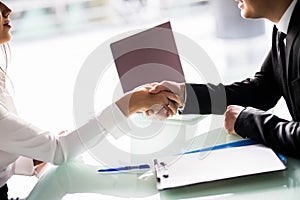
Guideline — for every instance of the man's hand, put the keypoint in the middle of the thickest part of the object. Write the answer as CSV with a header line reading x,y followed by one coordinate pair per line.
x,y
176,88
231,114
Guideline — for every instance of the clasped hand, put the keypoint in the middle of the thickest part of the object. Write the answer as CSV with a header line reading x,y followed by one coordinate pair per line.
x,y
231,114
172,105
155,99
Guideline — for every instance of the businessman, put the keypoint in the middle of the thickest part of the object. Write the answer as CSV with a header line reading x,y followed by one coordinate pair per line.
x,y
246,102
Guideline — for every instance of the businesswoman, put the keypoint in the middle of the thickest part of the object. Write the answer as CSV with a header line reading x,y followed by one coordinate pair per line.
x,y
22,142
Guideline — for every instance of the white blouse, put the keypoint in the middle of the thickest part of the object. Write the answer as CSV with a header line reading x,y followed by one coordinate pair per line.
x,y
19,138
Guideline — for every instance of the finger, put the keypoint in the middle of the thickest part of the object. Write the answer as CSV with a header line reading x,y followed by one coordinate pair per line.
x,y
155,108
153,84
158,88
149,112
175,98
169,112
228,130
173,106
162,114
225,124
167,108
62,132
227,127
231,132
150,85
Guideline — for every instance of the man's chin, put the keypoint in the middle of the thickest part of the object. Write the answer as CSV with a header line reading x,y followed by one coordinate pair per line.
x,y
245,15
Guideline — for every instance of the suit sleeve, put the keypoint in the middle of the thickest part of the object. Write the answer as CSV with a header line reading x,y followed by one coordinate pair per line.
x,y
260,92
281,135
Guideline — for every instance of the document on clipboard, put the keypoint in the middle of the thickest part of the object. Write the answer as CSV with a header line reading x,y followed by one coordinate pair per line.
x,y
215,164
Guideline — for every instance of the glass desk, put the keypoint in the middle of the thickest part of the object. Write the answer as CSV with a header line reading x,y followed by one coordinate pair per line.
x,y
78,180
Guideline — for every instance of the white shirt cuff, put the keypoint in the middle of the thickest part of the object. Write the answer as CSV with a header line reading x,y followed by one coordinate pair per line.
x,y
24,166
114,121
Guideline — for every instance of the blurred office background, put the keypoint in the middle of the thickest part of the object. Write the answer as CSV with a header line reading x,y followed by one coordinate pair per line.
x,y
52,38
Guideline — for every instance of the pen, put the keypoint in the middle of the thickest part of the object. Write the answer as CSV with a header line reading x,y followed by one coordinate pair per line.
x,y
125,168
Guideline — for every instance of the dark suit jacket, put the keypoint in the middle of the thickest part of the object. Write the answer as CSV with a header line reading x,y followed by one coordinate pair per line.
x,y
259,94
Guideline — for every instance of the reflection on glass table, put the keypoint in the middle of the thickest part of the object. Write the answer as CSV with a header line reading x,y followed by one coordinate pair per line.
x,y
78,179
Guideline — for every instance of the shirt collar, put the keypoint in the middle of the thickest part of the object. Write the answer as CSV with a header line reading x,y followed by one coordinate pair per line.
x,y
284,21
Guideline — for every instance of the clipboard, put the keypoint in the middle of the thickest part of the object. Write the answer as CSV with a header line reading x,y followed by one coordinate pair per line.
x,y
146,57
242,158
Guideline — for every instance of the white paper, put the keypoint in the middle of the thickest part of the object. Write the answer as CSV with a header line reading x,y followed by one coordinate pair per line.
x,y
218,164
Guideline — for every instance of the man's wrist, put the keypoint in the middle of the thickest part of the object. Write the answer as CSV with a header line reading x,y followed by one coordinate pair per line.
x,y
182,95
238,125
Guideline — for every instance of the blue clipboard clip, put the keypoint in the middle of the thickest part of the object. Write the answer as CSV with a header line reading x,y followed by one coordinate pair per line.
x,y
282,158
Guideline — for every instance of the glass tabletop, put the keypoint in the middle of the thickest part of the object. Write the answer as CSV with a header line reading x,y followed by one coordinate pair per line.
x,y
78,179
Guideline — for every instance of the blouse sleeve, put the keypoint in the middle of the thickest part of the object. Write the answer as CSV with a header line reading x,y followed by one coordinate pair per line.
x,y
22,138
24,166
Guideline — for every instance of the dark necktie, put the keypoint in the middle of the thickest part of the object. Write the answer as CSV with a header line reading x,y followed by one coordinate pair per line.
x,y
281,47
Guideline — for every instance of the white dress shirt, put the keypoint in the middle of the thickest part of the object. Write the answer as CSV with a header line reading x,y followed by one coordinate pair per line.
x,y
20,140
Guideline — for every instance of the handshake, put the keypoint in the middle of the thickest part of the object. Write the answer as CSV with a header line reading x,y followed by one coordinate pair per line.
x,y
160,100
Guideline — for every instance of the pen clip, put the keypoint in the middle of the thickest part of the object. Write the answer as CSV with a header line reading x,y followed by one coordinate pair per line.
x,y
161,170
156,169
166,171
